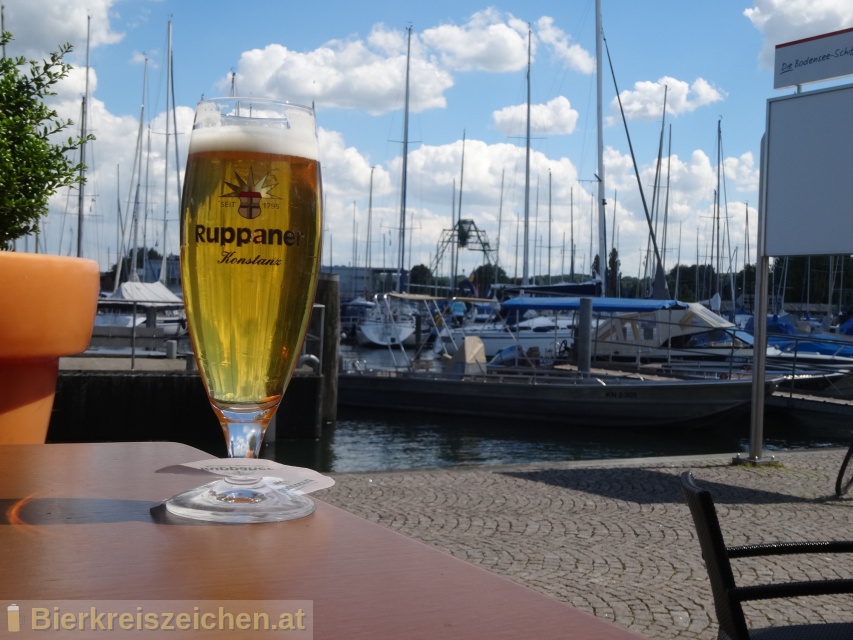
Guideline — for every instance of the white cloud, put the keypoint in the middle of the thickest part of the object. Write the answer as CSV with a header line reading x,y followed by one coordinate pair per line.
x,y
556,117
387,41
646,100
350,168
572,55
490,41
39,26
344,74
742,173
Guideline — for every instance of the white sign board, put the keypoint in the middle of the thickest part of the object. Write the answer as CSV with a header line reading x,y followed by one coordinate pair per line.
x,y
809,173
814,59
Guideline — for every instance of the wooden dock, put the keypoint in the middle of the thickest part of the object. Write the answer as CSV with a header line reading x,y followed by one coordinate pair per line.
x,y
831,407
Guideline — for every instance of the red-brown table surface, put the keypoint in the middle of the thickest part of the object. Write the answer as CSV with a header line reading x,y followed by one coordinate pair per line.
x,y
77,524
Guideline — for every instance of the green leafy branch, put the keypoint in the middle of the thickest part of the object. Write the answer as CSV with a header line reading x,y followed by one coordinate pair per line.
x,y
34,162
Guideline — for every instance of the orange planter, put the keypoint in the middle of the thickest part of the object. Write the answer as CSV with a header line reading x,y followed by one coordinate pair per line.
x,y
47,311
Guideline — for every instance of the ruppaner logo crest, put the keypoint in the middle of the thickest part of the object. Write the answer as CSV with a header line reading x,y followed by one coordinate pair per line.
x,y
250,194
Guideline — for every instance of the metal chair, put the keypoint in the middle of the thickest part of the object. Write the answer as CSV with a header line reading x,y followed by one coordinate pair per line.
x,y
729,598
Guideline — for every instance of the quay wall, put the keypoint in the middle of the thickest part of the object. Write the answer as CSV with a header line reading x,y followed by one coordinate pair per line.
x,y
99,399
93,406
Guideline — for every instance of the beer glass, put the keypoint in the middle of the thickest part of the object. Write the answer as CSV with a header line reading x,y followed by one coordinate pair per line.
x,y
250,251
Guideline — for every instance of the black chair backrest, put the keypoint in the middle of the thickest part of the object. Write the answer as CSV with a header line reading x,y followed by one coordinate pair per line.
x,y
729,611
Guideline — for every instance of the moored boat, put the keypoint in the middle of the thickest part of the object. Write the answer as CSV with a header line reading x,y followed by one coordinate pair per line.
x,y
389,323
549,334
643,331
564,398
135,304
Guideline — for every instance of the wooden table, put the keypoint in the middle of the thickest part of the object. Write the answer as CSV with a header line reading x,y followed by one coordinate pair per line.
x,y
78,525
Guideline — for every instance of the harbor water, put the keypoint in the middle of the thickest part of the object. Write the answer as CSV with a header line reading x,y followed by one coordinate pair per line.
x,y
381,440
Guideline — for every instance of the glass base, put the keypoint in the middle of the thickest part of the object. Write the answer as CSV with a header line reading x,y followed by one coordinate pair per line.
x,y
241,500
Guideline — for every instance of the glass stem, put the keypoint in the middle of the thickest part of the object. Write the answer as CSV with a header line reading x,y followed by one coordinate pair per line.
x,y
244,427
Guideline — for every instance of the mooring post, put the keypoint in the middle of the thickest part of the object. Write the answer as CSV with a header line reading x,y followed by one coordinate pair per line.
x,y
583,336
328,294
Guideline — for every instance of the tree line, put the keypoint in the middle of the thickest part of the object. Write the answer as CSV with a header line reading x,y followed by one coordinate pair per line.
x,y
797,281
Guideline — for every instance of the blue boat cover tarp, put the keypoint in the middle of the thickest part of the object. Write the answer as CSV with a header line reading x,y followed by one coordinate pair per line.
x,y
601,305
846,327
775,324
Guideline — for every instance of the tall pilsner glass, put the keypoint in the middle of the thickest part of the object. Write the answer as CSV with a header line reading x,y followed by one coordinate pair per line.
x,y
250,248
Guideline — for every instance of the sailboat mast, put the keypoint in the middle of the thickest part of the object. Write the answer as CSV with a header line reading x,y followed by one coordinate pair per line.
x,y
666,195
146,202
450,280
80,193
549,226
401,278
572,235
746,250
457,224
678,265
602,225
613,237
500,220
717,262
162,277
355,250
171,89
133,274
369,227
525,278
119,233
137,159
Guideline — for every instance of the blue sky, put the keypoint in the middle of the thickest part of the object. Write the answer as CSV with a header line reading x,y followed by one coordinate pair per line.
x,y
468,78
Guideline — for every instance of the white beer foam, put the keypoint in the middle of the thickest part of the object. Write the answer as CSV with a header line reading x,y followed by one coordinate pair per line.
x,y
299,139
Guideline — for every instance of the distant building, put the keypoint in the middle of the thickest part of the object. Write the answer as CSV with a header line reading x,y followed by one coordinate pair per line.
x,y
362,281
173,270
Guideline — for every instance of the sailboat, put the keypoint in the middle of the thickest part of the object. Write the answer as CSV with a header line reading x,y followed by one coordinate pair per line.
x,y
135,303
390,322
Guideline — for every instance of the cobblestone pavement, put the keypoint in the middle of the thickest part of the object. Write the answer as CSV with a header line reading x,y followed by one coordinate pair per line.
x,y
614,537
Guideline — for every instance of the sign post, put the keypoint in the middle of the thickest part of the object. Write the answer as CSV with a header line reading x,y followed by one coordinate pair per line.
x,y
806,193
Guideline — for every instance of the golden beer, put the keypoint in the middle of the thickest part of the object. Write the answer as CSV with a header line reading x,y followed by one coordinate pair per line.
x,y
250,242
250,254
